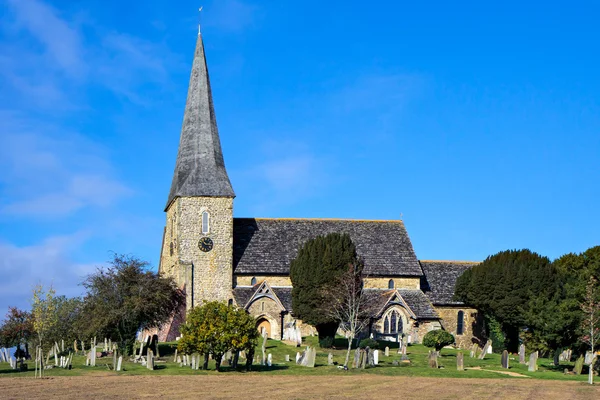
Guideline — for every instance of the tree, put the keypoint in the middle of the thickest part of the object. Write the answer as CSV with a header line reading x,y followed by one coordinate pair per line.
x,y
125,298
315,272
504,285
215,328
350,305
45,318
591,320
437,339
17,331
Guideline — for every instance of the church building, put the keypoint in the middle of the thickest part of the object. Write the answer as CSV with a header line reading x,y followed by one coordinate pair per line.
x,y
246,261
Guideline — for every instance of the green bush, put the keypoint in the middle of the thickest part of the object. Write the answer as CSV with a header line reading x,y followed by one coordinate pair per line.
x,y
326,342
438,339
368,342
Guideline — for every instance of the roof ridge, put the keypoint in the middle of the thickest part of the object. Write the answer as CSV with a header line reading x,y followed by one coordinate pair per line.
x,y
452,261
324,219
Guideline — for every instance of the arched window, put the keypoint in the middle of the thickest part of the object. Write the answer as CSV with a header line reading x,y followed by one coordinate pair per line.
x,y
391,284
394,322
386,325
460,323
253,281
262,306
205,223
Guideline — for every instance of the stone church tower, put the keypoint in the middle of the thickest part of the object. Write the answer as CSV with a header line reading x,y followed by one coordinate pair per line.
x,y
197,247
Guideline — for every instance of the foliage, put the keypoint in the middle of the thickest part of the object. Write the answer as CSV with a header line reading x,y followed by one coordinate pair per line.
x,y
16,329
215,328
315,272
495,334
126,297
326,342
368,342
504,286
45,317
437,339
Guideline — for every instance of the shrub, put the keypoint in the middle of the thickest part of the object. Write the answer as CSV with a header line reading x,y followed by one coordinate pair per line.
x,y
438,339
368,342
326,342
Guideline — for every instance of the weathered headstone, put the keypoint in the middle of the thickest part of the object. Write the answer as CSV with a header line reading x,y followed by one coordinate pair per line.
x,y
363,358
371,358
298,357
376,357
522,354
312,357
150,360
460,361
356,361
93,356
578,365
287,358
486,348
193,361
330,359
270,359
175,356
433,362
119,363
387,351
504,359
532,365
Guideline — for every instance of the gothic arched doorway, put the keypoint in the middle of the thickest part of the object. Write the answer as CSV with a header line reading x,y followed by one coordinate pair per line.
x,y
263,325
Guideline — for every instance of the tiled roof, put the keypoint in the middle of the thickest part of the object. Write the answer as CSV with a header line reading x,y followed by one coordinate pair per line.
x,y
284,294
243,294
267,246
440,279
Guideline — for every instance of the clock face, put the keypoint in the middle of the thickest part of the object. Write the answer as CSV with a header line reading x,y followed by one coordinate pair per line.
x,y
205,244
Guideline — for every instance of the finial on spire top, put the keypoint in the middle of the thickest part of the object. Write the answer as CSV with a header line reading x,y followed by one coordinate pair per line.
x,y
199,15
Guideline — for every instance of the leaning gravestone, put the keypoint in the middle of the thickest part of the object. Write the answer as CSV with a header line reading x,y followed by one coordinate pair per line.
x,y
356,361
522,354
578,366
363,358
460,362
504,359
311,357
433,362
486,348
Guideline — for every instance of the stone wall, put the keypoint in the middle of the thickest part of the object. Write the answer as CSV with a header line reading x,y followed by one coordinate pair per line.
x,y
274,280
449,316
399,282
210,273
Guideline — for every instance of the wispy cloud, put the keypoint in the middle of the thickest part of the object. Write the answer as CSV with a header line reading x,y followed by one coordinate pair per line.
x,y
46,262
52,174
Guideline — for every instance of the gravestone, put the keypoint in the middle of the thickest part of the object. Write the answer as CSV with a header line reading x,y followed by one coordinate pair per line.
x,y
387,351
175,357
330,359
532,365
287,358
193,362
312,357
269,359
578,365
473,352
119,363
522,354
504,359
298,357
75,346
460,362
363,358
371,358
433,361
150,360
376,357
93,356
356,361
395,363
486,348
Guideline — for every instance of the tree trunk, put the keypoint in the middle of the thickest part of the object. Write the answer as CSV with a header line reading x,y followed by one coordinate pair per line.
x,y
218,358
350,339
249,358
236,358
205,365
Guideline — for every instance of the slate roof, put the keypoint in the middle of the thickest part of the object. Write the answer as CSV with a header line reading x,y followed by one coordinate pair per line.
x,y
285,296
199,169
440,279
242,294
418,303
267,246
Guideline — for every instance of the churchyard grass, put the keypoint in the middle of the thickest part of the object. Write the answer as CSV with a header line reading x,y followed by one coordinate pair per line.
x,y
417,354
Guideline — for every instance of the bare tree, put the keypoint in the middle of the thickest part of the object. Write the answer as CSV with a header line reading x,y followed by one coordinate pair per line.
x,y
591,321
349,304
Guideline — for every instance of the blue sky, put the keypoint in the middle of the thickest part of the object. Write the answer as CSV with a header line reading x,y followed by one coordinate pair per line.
x,y
479,124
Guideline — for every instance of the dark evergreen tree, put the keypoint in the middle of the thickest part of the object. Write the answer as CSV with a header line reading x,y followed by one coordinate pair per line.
x,y
506,285
315,271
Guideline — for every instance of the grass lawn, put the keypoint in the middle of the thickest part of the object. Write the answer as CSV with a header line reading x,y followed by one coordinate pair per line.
x,y
417,354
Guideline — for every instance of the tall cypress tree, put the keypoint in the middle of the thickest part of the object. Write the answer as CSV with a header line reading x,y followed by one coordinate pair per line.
x,y
319,265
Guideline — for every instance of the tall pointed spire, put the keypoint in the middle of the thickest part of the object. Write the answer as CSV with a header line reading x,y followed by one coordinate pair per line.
x,y
200,169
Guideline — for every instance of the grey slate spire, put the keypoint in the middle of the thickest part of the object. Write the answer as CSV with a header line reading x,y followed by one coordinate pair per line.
x,y
200,169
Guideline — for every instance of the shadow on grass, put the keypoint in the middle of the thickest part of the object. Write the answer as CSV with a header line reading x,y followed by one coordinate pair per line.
x,y
255,368
11,371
